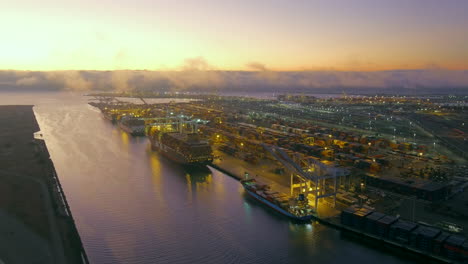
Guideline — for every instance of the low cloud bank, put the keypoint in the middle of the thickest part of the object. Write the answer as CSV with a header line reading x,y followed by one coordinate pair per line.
x,y
197,75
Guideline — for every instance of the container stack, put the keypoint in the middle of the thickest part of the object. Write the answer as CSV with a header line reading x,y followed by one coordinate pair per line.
x,y
383,225
464,251
401,230
422,237
453,246
347,216
371,222
359,218
438,243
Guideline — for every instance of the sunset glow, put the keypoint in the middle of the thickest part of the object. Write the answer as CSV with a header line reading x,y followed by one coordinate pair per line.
x,y
160,35
233,131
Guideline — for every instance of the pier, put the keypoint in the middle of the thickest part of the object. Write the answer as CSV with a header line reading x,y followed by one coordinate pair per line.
x,y
333,221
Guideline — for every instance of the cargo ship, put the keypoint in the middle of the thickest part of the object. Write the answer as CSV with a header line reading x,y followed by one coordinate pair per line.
x,y
132,125
181,147
417,237
295,208
110,116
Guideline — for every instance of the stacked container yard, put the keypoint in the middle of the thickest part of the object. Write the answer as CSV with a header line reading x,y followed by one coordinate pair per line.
x,y
228,150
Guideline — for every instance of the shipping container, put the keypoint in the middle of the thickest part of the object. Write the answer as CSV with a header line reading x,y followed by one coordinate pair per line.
x,y
383,225
438,243
453,246
464,251
346,216
401,231
359,218
422,237
371,222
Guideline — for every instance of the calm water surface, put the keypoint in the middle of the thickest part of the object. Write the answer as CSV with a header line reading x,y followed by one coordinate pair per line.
x,y
133,206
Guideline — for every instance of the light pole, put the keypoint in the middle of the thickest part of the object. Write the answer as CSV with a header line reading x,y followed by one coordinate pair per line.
x,y
369,121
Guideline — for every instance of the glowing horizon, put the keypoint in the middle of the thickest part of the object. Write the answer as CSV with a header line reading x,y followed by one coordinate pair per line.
x,y
356,35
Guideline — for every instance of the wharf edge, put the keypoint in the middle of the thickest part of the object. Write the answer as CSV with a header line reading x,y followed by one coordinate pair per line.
x,y
352,230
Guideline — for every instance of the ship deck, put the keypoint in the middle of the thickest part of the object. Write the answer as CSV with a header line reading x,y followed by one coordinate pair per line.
x,y
184,138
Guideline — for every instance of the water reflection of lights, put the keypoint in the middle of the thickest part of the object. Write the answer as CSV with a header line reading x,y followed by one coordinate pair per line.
x,y
156,174
198,180
125,138
298,227
189,187
248,211
247,206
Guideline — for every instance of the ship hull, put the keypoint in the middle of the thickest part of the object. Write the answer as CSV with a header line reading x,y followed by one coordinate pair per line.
x,y
277,208
174,156
137,131
110,118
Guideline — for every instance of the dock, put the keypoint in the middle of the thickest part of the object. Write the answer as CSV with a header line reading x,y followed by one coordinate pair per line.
x,y
334,223
291,146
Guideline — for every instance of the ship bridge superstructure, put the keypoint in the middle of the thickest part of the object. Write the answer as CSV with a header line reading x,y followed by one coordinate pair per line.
x,y
180,123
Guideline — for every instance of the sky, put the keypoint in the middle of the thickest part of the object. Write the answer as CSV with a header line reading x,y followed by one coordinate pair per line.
x,y
277,35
